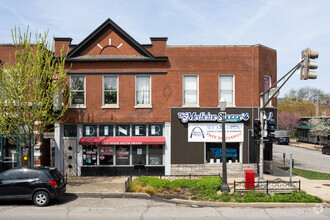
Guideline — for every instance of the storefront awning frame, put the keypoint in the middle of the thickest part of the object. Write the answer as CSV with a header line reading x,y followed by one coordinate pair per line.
x,y
103,141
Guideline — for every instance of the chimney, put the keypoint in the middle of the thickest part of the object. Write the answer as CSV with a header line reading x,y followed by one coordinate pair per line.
x,y
62,42
158,48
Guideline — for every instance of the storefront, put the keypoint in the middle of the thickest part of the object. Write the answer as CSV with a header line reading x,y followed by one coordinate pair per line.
x,y
197,140
117,149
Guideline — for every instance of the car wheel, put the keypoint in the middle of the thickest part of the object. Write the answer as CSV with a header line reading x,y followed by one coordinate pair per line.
x,y
323,151
41,198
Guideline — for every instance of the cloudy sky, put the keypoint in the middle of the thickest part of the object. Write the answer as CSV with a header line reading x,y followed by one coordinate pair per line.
x,y
288,26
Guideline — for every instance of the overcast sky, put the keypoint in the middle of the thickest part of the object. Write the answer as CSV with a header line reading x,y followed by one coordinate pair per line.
x,y
287,26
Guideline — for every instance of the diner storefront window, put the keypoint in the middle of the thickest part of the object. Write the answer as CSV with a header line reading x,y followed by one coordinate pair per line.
x,y
90,155
214,152
156,155
123,155
108,150
106,155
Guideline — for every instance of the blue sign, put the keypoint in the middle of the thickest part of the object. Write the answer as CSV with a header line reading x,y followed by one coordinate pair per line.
x,y
230,152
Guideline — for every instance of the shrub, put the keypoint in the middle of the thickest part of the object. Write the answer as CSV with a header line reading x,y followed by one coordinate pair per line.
x,y
225,196
253,196
153,181
296,196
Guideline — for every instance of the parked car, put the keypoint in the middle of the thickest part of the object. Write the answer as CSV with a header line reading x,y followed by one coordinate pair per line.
x,y
40,184
282,140
326,149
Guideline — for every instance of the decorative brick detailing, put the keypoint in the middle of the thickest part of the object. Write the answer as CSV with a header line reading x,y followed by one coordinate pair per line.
x,y
233,169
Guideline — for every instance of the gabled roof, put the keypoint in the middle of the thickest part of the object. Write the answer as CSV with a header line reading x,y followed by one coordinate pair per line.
x,y
75,53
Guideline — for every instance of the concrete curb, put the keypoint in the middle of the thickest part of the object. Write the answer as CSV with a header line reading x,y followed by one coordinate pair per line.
x,y
194,203
251,205
110,195
306,147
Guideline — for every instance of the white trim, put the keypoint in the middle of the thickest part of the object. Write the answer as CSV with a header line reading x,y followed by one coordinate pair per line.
x,y
110,105
79,105
167,148
233,93
270,84
150,95
79,149
240,159
197,92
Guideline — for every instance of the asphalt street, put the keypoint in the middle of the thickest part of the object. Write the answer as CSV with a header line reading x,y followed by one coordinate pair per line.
x,y
113,208
303,158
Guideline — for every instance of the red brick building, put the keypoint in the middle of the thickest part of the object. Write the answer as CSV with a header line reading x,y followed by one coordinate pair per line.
x,y
130,100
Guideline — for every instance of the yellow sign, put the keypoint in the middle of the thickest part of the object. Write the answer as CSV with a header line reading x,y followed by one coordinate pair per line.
x,y
25,158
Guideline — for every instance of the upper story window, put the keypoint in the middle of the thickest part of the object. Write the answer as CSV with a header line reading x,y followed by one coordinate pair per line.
x,y
267,85
190,90
227,89
142,91
110,91
78,87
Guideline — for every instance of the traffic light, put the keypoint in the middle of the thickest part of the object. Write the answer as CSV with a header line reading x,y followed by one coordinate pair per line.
x,y
308,64
270,128
257,128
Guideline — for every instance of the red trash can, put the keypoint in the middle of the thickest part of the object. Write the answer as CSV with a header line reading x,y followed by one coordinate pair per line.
x,y
249,179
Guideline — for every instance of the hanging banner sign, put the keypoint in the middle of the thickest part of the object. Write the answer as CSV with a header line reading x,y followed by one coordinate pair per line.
x,y
212,132
193,116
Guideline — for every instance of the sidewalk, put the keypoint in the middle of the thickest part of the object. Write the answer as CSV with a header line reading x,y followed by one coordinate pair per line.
x,y
306,145
319,188
114,187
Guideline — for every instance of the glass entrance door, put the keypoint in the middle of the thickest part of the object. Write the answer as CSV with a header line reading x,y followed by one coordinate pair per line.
x,y
9,151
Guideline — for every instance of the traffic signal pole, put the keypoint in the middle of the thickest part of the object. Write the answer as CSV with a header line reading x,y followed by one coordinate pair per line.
x,y
306,63
262,117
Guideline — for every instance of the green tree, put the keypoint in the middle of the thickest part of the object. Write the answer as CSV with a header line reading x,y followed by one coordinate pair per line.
x,y
303,108
31,88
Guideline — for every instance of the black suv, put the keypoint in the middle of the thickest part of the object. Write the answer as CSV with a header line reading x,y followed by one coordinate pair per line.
x,y
40,184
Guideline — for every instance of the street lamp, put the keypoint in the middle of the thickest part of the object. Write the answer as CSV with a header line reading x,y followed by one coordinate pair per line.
x,y
224,186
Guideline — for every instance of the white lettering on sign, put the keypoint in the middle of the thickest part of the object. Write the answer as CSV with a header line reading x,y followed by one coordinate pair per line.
x,y
106,130
193,116
155,130
123,130
137,129
90,130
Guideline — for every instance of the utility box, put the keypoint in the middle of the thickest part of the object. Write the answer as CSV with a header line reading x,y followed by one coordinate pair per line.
x,y
249,179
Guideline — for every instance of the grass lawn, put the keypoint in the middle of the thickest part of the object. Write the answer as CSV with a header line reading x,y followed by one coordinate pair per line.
x,y
308,174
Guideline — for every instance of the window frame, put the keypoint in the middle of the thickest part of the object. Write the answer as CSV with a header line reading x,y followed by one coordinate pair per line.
x,y
269,85
104,105
233,104
150,95
78,105
197,90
